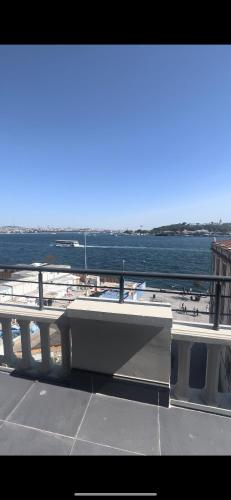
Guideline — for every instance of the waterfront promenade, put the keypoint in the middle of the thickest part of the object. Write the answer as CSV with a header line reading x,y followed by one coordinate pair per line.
x,y
177,300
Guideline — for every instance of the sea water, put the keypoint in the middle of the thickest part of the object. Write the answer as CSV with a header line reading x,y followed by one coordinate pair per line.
x,y
168,254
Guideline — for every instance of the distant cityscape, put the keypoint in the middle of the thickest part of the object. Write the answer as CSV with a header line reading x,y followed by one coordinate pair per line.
x,y
179,229
49,229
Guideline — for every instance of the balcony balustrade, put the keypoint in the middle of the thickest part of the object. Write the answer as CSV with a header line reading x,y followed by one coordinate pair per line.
x,y
44,319
207,398
143,322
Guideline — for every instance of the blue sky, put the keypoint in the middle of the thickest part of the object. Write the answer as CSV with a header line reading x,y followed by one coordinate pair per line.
x,y
115,136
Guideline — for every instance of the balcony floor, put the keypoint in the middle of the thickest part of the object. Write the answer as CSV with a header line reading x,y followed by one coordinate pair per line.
x,y
95,415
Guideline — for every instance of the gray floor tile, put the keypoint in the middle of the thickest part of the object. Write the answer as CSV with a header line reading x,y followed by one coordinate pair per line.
x,y
84,448
185,432
52,408
121,424
12,389
16,440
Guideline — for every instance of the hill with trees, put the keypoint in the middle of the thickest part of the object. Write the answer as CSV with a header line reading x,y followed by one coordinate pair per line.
x,y
182,228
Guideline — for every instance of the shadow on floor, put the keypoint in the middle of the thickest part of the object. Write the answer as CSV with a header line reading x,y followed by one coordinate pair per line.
x,y
97,383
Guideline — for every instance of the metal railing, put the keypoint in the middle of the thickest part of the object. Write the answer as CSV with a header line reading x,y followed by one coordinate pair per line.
x,y
121,275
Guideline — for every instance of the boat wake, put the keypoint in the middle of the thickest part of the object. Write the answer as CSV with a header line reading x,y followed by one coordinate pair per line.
x,y
105,246
147,248
128,247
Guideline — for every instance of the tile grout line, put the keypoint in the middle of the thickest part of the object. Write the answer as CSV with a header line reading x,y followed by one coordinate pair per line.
x,y
80,425
69,437
20,401
158,423
84,415
105,445
36,429
109,446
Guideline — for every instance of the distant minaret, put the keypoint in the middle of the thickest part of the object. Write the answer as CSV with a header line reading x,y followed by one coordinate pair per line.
x,y
214,239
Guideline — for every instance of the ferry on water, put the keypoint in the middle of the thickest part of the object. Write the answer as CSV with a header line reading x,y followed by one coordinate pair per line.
x,y
67,243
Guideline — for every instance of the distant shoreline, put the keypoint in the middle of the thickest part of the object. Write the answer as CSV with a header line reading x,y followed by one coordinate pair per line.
x,y
116,233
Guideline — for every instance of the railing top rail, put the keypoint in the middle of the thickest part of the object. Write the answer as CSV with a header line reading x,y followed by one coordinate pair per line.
x,y
111,272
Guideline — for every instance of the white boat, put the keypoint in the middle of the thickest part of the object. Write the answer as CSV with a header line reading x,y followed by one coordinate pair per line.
x,y
67,243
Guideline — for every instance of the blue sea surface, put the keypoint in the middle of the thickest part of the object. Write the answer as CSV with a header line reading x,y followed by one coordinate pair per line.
x,y
169,254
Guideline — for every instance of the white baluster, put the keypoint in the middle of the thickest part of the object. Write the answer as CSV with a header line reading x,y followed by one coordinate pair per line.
x,y
26,344
7,340
45,346
184,357
210,392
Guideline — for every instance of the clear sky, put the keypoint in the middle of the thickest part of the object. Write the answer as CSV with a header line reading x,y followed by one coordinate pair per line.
x,y
115,136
